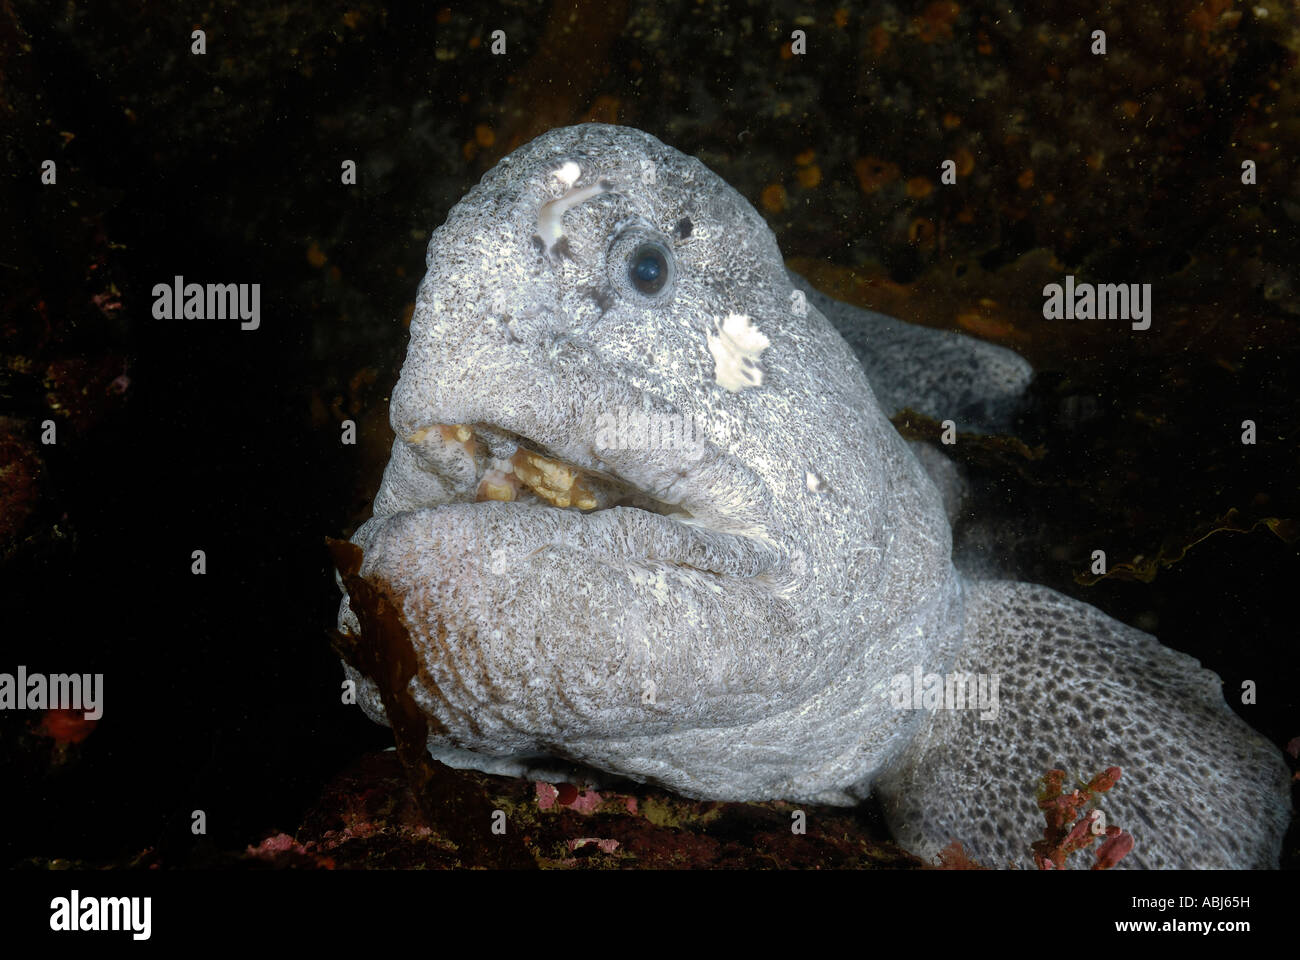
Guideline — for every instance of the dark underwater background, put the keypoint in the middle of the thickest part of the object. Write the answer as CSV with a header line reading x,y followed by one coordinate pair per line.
x,y
222,690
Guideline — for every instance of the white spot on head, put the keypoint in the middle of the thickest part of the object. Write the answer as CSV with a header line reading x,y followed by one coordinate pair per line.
x,y
813,481
568,173
736,345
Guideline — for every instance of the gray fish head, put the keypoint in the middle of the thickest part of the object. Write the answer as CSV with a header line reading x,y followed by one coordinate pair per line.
x,y
642,505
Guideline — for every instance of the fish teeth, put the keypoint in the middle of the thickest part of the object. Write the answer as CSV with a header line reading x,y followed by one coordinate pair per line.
x,y
498,485
523,474
559,484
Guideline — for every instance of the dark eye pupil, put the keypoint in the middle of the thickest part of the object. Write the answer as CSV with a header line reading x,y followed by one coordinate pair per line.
x,y
649,270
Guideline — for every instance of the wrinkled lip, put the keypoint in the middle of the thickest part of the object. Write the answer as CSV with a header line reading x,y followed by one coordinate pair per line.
x,y
488,465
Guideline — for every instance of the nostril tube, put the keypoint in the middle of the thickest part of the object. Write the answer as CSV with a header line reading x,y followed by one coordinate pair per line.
x,y
550,218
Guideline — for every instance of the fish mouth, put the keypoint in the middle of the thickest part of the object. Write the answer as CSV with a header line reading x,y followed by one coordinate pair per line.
x,y
659,517
509,468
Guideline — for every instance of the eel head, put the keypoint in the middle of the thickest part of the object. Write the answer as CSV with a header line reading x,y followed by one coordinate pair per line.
x,y
642,511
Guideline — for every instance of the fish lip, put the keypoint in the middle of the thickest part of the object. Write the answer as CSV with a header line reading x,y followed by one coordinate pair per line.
x,y
623,535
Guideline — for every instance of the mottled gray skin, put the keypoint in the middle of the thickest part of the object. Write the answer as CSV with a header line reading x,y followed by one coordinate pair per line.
x,y
743,649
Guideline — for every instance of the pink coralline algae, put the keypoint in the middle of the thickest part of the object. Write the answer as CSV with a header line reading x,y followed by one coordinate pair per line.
x,y
279,843
275,847
1060,839
587,801
546,794
567,795
1113,848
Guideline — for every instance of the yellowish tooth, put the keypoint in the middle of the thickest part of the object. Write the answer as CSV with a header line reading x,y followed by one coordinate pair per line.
x,y
558,475
492,489
559,484
459,433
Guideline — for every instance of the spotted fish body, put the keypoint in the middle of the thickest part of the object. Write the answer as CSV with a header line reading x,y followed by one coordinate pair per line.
x,y
644,513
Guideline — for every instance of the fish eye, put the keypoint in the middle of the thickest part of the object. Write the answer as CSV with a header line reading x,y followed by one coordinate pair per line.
x,y
640,263
648,269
